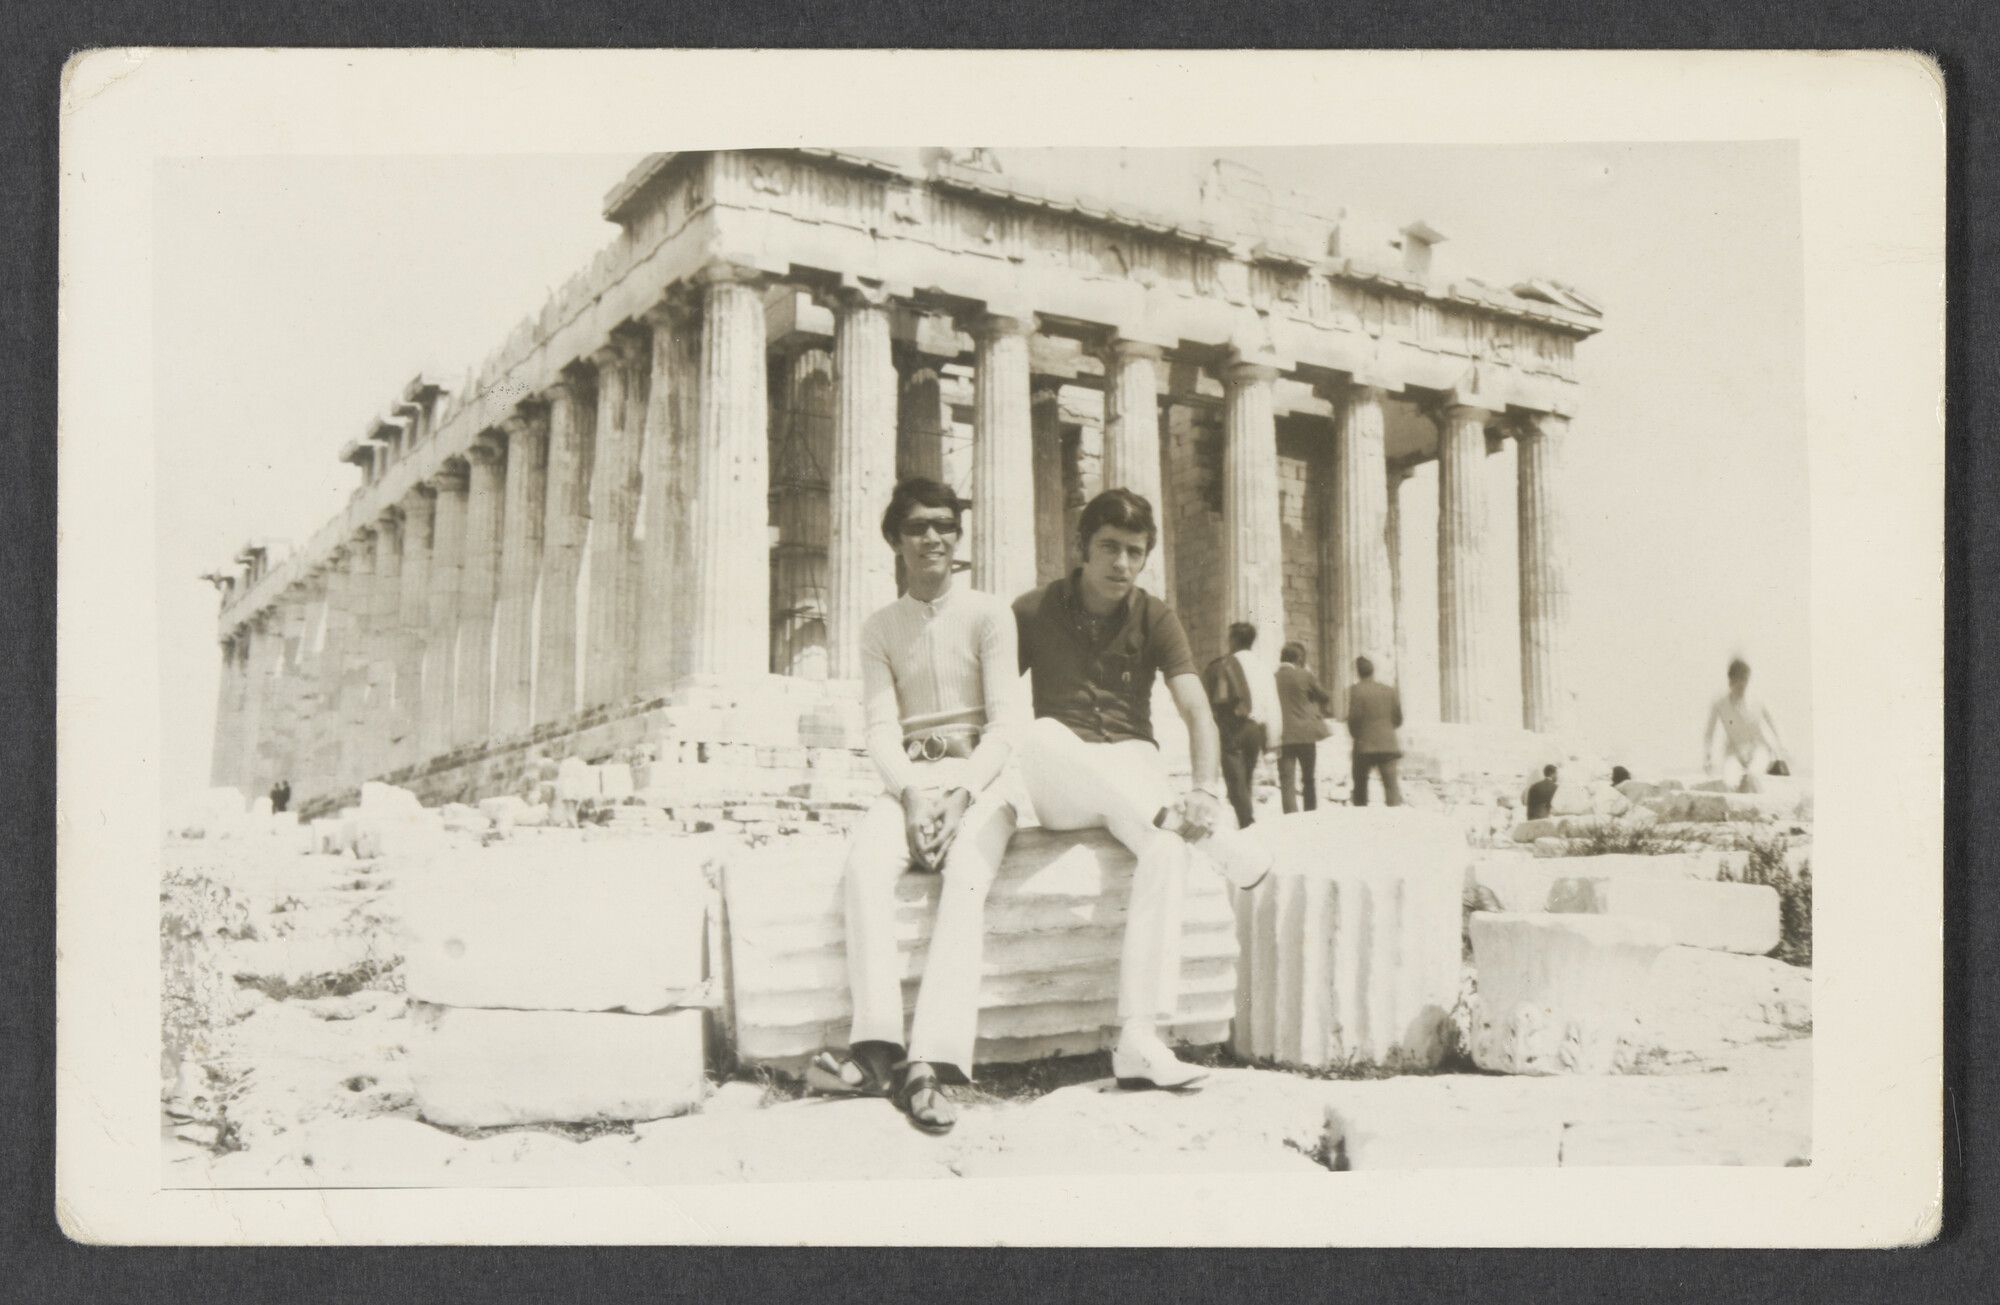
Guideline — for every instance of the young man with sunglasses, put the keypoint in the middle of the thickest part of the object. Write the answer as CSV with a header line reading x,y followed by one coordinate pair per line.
x,y
942,701
1092,643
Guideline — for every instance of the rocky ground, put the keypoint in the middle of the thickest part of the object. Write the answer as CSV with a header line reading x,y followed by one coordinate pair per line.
x,y
284,1043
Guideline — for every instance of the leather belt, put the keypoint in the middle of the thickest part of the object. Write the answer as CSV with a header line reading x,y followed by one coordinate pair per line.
x,y
939,744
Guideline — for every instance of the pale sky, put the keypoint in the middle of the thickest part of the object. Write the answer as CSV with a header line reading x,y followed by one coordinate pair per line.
x,y
295,296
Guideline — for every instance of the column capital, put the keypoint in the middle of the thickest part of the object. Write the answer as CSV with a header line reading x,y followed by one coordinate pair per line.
x,y
1532,425
487,447
855,292
994,325
1123,349
678,308
1238,370
728,273
620,350
1045,389
390,517
421,499
450,476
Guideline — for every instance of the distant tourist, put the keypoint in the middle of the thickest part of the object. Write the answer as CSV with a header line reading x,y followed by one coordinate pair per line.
x,y
1304,706
1750,742
1091,643
1541,795
1619,775
281,796
1241,718
1374,713
941,696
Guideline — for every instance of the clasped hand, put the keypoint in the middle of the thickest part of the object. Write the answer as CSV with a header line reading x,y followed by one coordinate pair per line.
x,y
931,824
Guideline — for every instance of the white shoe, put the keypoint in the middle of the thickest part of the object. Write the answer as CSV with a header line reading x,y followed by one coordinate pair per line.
x,y
1149,1064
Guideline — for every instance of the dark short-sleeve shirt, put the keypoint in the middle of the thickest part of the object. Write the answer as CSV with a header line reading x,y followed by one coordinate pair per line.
x,y
1102,687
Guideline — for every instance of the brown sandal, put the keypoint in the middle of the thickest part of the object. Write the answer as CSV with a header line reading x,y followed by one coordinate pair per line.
x,y
863,1072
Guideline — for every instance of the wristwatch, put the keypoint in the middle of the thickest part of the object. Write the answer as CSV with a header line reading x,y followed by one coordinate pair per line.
x,y
1219,797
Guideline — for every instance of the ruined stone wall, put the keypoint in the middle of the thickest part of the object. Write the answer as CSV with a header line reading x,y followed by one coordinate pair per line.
x,y
1192,479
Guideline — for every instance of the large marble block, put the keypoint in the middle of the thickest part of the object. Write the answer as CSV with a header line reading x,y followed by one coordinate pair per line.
x,y
1351,946
1725,917
606,925
1516,881
1055,920
486,1068
1562,994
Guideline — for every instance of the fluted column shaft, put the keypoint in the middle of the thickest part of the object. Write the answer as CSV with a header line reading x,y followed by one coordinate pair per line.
x,y
920,422
1051,548
667,475
611,648
1392,541
356,659
1132,440
1362,600
329,650
485,505
520,566
1462,634
1546,704
291,683
440,683
565,524
260,704
385,627
861,569
731,612
226,752
412,625
1003,460
1252,529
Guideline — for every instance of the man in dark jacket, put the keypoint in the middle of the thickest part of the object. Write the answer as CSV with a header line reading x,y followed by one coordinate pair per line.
x,y
1243,735
1304,705
1374,711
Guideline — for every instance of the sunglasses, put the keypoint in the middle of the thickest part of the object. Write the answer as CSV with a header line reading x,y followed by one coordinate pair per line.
x,y
918,529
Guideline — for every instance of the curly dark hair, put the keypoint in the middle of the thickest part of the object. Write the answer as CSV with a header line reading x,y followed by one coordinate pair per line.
x,y
1120,509
919,491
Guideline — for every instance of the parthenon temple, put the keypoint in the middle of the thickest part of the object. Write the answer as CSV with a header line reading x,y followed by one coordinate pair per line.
x,y
650,521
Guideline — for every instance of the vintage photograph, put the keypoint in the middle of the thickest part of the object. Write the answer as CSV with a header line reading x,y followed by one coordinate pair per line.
x,y
837,663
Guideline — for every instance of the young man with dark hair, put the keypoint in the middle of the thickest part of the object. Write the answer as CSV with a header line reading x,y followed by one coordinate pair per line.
x,y
1092,643
1231,684
1374,712
942,698
1541,795
1303,704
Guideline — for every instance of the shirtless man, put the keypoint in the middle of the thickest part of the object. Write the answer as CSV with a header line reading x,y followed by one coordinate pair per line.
x,y
1749,735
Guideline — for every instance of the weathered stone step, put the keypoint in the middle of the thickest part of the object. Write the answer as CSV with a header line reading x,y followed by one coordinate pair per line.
x,y
1725,917
1055,919
1515,881
1561,994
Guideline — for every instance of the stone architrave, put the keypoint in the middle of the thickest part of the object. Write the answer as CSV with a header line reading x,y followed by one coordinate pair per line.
x,y
1132,440
565,525
1003,470
412,625
667,475
485,503
1461,547
1051,544
1356,589
1252,532
731,622
440,683
861,569
611,646
1545,690
520,564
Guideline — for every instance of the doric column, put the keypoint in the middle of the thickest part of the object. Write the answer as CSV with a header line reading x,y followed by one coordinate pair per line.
x,y
565,527
860,567
290,705
731,625
1003,470
1545,691
1392,540
1461,547
258,770
385,630
667,474
356,658
412,625
611,646
440,681
1051,549
321,766
802,460
1252,534
1356,595
485,505
921,420
225,756
1132,440
520,565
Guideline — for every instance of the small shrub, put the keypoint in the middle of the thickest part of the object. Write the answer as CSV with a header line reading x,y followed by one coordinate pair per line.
x,y
1764,863
1609,838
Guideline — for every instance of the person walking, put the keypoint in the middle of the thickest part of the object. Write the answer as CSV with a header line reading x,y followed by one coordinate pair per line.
x,y
1231,683
1374,712
1303,704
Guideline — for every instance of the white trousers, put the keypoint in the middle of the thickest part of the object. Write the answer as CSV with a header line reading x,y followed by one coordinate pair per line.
x,y
1120,787
946,1022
